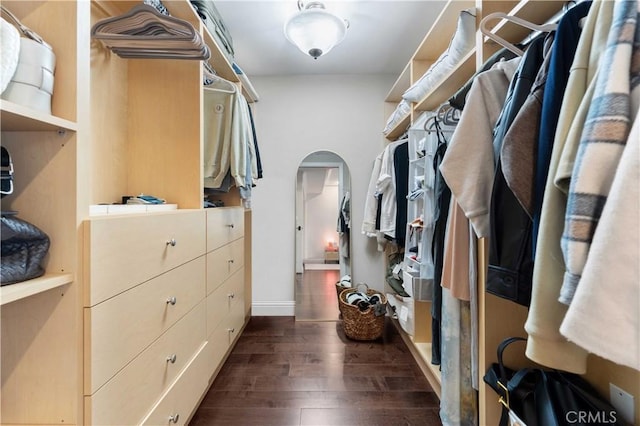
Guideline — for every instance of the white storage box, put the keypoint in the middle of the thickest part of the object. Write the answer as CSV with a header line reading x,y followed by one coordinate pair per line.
x,y
421,289
404,311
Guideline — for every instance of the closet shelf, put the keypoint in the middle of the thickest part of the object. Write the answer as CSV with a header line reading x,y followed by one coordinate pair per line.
x,y
16,117
450,84
399,128
400,86
13,292
437,39
537,12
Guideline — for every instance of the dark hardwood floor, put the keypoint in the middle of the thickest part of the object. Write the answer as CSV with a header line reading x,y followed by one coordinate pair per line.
x,y
316,298
285,372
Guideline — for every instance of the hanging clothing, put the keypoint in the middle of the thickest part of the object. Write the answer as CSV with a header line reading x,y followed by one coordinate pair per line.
x,y
562,55
458,100
442,194
228,140
255,142
218,116
603,317
519,147
386,185
371,200
344,224
401,177
510,259
470,177
458,402
603,140
455,268
545,344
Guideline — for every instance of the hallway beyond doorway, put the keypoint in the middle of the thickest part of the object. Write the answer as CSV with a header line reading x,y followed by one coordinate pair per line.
x,y
316,298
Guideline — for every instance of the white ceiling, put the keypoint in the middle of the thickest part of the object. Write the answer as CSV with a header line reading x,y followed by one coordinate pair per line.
x,y
380,40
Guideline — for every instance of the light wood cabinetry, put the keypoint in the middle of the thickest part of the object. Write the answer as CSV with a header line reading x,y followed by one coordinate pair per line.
x,y
93,340
493,327
226,284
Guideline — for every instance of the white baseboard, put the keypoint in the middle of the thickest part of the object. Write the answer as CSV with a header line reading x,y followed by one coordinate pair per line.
x,y
283,308
321,267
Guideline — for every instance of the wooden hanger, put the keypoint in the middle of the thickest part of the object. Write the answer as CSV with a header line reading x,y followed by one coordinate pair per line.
x,y
515,20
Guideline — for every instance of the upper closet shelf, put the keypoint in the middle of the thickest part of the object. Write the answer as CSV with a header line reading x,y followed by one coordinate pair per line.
x,y
537,12
439,36
184,10
16,117
400,86
399,128
450,84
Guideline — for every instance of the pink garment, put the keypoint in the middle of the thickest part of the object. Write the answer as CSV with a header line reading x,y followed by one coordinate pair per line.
x,y
455,268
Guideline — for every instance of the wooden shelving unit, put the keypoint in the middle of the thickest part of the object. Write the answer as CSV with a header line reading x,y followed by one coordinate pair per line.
x,y
117,127
18,118
13,292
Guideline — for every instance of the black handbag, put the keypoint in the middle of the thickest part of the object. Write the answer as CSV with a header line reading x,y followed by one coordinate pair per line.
x,y
22,250
540,397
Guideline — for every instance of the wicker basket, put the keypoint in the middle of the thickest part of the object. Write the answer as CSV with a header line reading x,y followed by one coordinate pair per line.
x,y
340,289
357,324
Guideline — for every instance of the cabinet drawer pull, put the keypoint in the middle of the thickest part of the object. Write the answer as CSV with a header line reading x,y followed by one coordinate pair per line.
x,y
231,295
230,225
172,358
172,300
172,242
174,418
231,330
230,261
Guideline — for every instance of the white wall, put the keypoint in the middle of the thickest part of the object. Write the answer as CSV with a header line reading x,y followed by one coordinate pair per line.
x,y
321,221
297,115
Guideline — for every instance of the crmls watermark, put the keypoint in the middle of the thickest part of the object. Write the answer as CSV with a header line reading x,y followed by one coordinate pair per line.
x,y
591,417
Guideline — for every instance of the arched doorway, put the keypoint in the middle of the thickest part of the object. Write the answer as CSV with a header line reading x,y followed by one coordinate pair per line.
x,y
323,238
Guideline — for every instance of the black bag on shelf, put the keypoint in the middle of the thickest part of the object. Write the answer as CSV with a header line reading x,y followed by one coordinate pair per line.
x,y
540,397
23,249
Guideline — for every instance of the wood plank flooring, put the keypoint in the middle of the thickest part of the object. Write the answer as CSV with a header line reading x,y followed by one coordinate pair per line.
x,y
316,298
284,372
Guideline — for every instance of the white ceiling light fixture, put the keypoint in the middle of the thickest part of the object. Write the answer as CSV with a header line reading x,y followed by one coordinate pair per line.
x,y
315,31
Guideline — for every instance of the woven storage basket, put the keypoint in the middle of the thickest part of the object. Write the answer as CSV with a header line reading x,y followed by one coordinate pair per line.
x,y
357,324
340,289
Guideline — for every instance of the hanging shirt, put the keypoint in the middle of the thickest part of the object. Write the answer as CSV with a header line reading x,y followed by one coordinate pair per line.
x,y
371,200
386,186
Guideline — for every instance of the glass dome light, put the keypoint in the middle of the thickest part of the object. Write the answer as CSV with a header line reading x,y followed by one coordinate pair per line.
x,y
315,31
